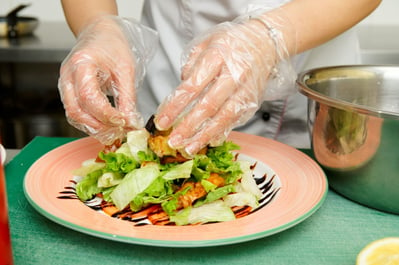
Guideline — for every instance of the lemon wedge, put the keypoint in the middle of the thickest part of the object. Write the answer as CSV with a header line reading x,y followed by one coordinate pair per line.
x,y
384,251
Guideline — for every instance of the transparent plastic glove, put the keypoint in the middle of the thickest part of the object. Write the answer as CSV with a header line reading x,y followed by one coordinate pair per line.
x,y
225,79
107,62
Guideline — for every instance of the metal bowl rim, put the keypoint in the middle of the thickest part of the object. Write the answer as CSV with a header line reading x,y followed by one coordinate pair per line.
x,y
341,104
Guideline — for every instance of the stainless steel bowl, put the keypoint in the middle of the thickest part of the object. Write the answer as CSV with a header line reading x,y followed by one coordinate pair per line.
x,y
353,118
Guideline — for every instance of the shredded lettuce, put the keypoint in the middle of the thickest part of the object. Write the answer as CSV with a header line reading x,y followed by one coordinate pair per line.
x,y
137,141
248,182
156,193
109,179
148,156
208,186
88,166
134,176
170,205
133,184
118,162
179,171
219,160
216,211
106,192
241,199
216,195
87,188
124,149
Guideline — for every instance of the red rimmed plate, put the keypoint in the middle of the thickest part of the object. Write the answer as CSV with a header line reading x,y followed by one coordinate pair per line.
x,y
303,190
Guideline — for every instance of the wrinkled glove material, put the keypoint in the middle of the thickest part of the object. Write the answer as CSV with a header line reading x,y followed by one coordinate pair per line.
x,y
227,73
99,77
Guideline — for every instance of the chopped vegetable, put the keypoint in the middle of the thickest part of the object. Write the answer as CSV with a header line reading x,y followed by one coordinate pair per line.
x,y
216,211
194,190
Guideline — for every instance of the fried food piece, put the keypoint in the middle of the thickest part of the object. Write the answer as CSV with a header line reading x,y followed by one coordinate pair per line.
x,y
197,191
158,143
174,159
216,179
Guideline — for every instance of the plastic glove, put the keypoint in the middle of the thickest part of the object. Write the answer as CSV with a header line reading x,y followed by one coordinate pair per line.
x,y
107,61
224,81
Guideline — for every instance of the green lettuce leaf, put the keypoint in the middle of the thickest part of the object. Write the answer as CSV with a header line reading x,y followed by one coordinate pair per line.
x,y
156,193
170,205
106,192
87,187
137,140
216,195
208,186
248,182
133,184
222,155
118,162
124,149
216,211
179,171
218,160
88,166
109,179
241,199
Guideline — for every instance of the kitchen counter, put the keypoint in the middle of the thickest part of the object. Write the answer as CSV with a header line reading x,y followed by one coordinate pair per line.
x,y
10,154
50,43
333,235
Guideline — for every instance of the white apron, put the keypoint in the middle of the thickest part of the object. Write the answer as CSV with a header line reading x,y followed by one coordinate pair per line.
x,y
178,22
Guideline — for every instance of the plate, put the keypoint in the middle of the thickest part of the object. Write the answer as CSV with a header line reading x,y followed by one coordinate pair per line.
x,y
303,188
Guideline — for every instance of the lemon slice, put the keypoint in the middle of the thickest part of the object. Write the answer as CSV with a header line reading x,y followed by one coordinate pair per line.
x,y
384,251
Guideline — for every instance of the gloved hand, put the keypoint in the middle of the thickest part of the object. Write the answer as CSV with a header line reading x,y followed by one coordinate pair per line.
x,y
224,80
107,61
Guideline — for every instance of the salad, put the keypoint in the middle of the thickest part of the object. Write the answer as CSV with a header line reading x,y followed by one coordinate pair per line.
x,y
143,172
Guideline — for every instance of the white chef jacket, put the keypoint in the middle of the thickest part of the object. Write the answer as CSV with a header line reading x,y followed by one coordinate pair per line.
x,y
179,21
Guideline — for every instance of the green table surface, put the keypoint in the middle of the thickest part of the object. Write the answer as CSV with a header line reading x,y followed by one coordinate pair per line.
x,y
332,235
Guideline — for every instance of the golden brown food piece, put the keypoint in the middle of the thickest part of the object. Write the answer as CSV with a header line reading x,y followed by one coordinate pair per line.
x,y
159,145
216,179
197,191
174,159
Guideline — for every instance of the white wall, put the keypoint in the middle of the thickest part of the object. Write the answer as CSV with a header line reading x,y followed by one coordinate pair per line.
x,y
385,14
50,10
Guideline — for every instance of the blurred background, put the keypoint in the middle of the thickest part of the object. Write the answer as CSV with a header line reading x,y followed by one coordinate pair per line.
x,y
29,65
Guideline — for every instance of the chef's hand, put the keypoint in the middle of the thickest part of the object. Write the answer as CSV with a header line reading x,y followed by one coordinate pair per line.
x,y
224,81
107,61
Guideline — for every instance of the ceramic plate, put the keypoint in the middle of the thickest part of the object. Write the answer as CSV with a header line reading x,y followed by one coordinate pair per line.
x,y
302,188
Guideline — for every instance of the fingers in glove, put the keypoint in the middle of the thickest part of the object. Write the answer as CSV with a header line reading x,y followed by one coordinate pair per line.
x,y
204,110
195,52
234,111
92,99
75,114
125,96
201,75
